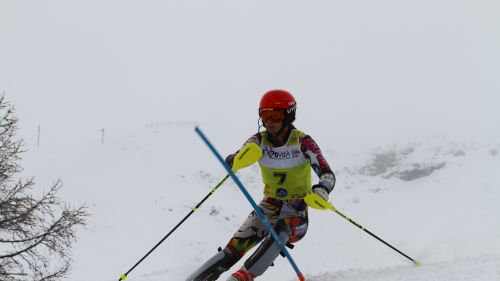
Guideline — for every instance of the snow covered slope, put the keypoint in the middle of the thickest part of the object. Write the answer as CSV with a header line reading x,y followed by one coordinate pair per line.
x,y
436,200
365,75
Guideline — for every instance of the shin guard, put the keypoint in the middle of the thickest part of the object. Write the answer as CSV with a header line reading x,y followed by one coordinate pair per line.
x,y
267,252
215,266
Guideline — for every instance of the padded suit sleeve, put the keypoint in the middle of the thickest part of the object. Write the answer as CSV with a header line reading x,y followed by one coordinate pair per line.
x,y
311,151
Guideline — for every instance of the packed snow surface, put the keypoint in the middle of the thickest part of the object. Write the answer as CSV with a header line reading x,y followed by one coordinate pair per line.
x,y
436,199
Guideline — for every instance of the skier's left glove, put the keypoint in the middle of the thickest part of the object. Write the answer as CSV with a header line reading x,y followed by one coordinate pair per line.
x,y
230,160
321,191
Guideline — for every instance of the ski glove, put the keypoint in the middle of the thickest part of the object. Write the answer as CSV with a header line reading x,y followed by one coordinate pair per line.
x,y
230,160
321,191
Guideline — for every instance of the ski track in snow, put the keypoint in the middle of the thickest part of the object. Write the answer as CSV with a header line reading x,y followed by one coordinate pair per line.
x,y
485,268
470,269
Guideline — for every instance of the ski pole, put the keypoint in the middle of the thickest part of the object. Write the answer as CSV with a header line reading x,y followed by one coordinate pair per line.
x,y
315,201
245,157
252,202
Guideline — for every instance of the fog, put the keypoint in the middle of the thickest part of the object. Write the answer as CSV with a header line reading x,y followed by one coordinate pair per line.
x,y
366,71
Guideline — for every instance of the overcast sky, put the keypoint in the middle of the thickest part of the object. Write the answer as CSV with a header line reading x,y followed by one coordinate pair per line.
x,y
359,69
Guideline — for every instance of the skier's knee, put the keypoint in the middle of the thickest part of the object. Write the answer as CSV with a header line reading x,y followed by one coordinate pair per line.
x,y
282,227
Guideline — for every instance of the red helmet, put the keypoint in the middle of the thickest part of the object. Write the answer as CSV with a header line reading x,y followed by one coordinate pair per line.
x,y
280,99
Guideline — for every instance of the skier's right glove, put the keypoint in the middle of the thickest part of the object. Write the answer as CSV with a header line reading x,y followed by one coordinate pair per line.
x,y
321,191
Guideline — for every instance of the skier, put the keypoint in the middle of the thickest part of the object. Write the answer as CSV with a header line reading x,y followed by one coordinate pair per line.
x,y
289,155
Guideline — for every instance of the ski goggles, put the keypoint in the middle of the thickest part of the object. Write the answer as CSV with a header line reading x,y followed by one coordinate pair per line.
x,y
271,114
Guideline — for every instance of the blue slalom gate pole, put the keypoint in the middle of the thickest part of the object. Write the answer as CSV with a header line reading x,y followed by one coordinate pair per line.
x,y
252,202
